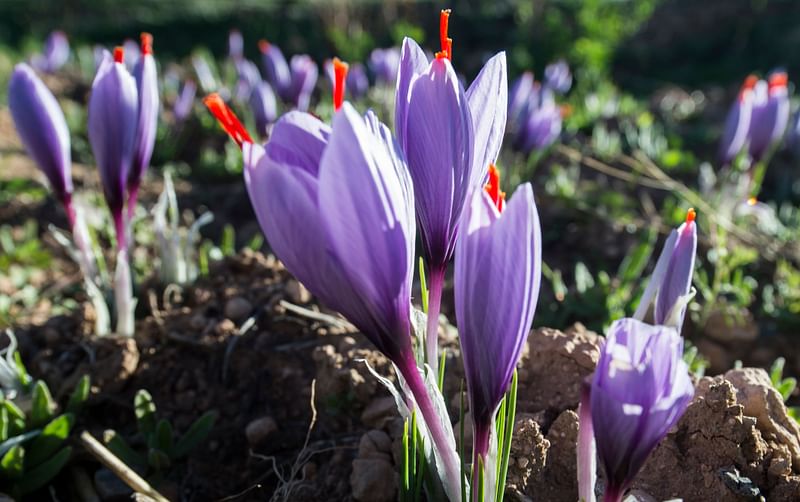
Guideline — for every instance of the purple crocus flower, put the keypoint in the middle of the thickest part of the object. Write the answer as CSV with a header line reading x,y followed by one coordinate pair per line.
x,y
770,114
263,106
384,63
518,98
671,281
183,105
793,135
235,45
276,68
357,81
304,73
145,73
558,77
497,252
248,78
132,53
540,123
737,124
449,138
113,113
640,389
43,130
55,55
337,206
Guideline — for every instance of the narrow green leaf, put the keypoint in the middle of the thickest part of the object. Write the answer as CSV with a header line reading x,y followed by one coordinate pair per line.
x,y
776,371
122,449
145,410
164,439
50,440
158,459
406,476
442,363
79,395
505,453
3,423
44,472
13,441
12,465
479,485
22,373
196,434
461,444
42,406
423,285
228,243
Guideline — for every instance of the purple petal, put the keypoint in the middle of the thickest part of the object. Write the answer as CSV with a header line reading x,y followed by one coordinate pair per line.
x,y
276,68
42,128
148,103
263,106
488,103
678,277
298,139
497,277
438,144
518,98
413,62
737,125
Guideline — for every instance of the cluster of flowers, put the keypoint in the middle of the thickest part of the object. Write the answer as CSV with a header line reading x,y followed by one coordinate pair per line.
x,y
757,119
341,205
294,81
534,116
123,115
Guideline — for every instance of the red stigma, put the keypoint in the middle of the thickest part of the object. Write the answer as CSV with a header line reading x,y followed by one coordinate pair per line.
x,y
339,81
147,43
263,46
227,119
445,41
119,54
691,215
779,79
493,188
750,82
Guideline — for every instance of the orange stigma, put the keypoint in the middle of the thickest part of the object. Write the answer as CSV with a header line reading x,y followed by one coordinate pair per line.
x,y
778,79
691,215
119,54
227,119
339,82
445,41
263,46
750,82
493,188
752,201
147,43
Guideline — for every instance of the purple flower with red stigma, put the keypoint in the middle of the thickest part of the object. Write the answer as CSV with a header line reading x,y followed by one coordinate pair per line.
x,y
145,73
558,77
771,108
450,137
113,118
498,271
55,55
384,63
737,124
276,68
43,130
264,107
640,389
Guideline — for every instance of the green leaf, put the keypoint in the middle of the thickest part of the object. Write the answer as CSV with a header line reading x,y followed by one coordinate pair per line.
x,y
24,378
196,434
44,472
122,449
776,372
163,437
12,465
79,395
158,460
43,406
635,262
145,410
16,418
50,440
786,387
3,423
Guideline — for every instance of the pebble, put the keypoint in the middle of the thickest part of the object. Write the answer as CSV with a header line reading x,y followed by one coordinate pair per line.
x,y
109,486
237,308
259,429
297,293
373,480
378,412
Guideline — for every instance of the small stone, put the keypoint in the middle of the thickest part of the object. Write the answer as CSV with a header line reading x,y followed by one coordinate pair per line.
x,y
373,480
297,293
375,444
378,412
732,329
237,308
109,486
259,429
225,326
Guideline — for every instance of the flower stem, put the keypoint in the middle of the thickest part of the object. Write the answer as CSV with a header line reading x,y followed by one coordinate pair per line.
x,y
480,449
613,493
434,307
587,468
445,452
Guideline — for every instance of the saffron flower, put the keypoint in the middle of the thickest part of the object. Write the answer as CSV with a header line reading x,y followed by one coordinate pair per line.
x,y
145,73
498,271
185,101
43,130
540,124
275,68
671,281
384,63
449,138
350,234
737,123
639,391
248,78
770,114
518,98
235,45
263,106
304,73
55,55
557,77
357,81
113,118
